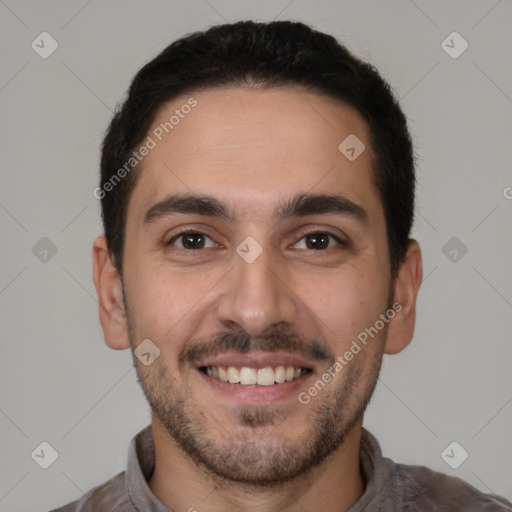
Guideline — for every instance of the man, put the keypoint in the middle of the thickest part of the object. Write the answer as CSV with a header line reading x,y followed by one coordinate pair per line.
x,y
257,189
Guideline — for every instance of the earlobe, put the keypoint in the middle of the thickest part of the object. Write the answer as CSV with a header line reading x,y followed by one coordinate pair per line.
x,y
407,284
110,297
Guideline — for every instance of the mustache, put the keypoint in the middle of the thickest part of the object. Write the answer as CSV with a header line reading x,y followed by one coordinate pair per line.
x,y
243,343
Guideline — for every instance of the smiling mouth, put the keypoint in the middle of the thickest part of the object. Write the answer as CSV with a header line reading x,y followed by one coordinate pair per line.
x,y
247,376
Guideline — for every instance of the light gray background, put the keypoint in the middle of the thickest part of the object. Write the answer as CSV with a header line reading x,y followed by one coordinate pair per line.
x,y
59,381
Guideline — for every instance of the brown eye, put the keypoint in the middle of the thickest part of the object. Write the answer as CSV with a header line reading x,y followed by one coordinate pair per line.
x,y
318,241
191,240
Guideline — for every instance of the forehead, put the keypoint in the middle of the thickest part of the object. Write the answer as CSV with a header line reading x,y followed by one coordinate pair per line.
x,y
251,147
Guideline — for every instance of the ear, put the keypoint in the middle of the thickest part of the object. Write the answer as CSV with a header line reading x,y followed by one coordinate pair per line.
x,y
110,297
407,284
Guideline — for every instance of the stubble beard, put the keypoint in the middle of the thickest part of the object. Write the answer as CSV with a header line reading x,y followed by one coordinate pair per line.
x,y
255,452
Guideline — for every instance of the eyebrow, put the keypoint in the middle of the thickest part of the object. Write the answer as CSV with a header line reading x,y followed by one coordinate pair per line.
x,y
299,206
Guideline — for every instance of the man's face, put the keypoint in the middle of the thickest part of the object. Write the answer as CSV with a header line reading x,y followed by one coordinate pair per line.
x,y
263,286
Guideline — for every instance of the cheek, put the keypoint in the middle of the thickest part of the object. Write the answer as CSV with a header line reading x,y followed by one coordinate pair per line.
x,y
163,300
345,303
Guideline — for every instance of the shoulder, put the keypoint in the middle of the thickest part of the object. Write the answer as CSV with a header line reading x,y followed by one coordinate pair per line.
x,y
111,495
424,489
392,486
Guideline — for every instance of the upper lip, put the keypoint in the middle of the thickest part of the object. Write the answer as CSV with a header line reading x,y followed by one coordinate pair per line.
x,y
256,360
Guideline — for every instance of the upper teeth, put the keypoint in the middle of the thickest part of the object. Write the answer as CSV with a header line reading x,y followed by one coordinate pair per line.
x,y
262,376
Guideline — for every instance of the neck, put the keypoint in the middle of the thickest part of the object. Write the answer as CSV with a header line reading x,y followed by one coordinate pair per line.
x,y
179,484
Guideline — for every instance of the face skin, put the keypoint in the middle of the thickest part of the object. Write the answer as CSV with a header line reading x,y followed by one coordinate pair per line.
x,y
321,279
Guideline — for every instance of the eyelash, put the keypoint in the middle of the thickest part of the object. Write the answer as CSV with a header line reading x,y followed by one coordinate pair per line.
x,y
341,243
186,232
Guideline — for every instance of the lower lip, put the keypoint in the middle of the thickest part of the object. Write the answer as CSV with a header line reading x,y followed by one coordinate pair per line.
x,y
252,394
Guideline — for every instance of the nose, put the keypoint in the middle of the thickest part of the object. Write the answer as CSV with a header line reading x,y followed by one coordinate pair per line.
x,y
258,297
